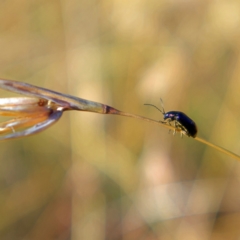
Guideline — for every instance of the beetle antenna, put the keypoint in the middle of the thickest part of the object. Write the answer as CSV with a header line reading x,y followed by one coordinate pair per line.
x,y
155,107
163,111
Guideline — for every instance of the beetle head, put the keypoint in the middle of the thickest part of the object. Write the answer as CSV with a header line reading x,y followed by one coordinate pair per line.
x,y
168,116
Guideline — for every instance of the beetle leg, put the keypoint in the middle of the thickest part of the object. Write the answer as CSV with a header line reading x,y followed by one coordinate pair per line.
x,y
175,126
182,130
163,122
179,127
168,121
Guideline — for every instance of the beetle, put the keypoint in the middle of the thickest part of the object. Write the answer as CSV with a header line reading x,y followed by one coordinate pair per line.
x,y
181,121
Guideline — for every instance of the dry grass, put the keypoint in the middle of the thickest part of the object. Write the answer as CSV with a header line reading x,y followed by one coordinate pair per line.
x,y
105,177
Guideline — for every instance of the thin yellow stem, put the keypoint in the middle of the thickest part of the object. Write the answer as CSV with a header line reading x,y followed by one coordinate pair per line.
x,y
220,149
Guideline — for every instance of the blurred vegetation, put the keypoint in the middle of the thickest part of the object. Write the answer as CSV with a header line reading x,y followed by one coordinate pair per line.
x,y
99,177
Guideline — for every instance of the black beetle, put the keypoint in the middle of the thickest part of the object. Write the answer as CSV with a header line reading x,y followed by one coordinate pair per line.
x,y
181,121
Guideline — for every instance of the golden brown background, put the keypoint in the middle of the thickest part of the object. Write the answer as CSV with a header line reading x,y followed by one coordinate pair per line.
x,y
100,177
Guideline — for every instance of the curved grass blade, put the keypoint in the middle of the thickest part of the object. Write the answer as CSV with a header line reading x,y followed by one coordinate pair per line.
x,y
65,101
37,124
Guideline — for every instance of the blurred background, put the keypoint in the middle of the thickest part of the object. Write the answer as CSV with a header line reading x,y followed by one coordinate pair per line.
x,y
92,176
